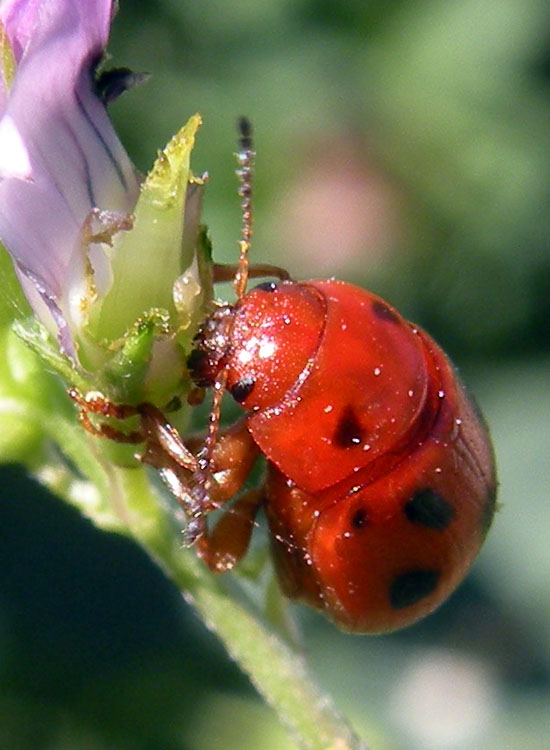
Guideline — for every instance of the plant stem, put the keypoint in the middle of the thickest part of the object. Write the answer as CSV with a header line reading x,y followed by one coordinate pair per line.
x,y
277,672
123,499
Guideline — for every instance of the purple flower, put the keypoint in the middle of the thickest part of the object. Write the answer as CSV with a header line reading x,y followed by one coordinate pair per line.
x,y
61,162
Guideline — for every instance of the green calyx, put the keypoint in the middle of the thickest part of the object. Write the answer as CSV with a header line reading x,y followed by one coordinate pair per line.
x,y
137,334
147,260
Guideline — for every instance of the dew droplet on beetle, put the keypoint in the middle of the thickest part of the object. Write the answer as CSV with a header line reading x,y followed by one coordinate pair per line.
x,y
267,349
244,357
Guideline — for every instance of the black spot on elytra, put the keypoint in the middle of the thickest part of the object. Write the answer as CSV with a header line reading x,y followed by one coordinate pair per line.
x,y
242,388
409,588
348,430
430,509
383,312
359,518
267,286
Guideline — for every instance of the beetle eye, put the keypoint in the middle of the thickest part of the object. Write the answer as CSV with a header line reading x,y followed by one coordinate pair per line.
x,y
267,286
242,388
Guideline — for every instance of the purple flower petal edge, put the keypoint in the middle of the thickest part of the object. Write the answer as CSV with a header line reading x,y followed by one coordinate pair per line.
x,y
59,155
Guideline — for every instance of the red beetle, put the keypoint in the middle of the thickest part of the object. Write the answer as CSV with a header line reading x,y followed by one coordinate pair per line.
x,y
380,482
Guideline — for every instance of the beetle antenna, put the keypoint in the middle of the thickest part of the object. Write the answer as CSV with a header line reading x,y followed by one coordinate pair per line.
x,y
245,159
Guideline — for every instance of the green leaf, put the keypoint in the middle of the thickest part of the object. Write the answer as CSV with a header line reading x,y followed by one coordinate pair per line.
x,y
37,338
13,303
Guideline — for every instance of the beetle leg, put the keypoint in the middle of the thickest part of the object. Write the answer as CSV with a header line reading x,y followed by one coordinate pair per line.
x,y
155,431
226,271
224,545
179,481
233,457
95,403
177,466
158,432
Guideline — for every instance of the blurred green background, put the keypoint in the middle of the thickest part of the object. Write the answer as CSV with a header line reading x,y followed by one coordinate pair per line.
x,y
401,145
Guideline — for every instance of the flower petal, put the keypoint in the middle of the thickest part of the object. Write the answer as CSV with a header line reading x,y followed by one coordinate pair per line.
x,y
19,18
76,160
14,157
44,302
